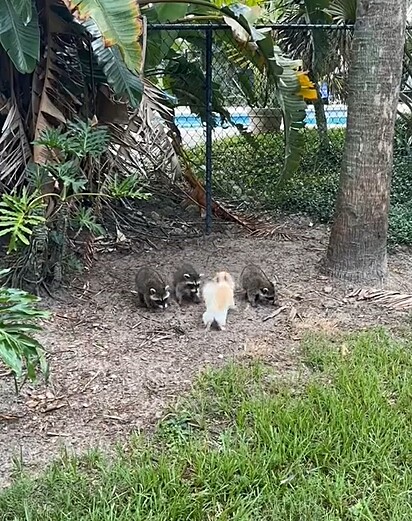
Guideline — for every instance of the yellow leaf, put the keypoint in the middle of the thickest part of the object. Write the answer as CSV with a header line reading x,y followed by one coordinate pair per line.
x,y
307,88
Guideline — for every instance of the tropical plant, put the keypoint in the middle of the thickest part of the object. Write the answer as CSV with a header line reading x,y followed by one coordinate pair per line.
x,y
52,219
250,50
109,47
86,66
325,52
19,349
95,61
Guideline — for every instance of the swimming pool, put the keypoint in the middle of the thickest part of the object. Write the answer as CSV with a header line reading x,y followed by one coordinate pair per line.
x,y
190,121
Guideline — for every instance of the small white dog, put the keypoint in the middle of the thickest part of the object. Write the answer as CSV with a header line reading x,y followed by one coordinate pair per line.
x,y
218,295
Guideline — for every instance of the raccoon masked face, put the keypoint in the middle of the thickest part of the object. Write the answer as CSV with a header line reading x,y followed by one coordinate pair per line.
x,y
268,293
160,296
193,283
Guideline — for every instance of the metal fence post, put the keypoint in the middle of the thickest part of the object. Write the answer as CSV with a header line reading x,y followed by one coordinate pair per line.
x,y
209,115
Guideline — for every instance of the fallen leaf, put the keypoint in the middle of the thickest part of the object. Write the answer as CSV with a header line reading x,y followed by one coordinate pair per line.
x,y
53,407
344,350
293,312
120,236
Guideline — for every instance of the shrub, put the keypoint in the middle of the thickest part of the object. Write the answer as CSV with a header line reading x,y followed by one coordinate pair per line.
x,y
50,223
246,169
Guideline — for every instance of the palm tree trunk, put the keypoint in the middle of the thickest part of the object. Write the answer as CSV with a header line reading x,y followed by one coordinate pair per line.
x,y
358,241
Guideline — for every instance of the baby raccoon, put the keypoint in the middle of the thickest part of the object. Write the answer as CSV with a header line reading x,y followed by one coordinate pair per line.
x,y
218,295
151,288
256,285
186,282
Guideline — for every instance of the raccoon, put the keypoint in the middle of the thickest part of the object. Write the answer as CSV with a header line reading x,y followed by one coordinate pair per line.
x,y
257,286
218,295
186,283
151,289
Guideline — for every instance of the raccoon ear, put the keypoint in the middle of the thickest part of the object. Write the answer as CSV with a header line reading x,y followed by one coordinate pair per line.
x,y
265,291
152,291
167,287
201,275
186,276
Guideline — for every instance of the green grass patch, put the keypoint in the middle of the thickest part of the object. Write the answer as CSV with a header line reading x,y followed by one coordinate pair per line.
x,y
247,446
246,170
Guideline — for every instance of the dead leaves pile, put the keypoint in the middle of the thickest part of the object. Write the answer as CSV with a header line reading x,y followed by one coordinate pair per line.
x,y
44,402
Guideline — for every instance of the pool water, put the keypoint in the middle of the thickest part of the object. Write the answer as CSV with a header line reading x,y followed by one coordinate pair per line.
x,y
194,122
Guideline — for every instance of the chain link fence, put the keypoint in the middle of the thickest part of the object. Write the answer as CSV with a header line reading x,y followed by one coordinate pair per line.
x,y
230,120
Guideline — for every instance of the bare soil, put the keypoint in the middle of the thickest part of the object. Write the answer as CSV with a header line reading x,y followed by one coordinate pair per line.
x,y
116,367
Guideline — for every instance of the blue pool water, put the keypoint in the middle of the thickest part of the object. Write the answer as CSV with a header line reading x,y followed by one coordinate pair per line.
x,y
194,122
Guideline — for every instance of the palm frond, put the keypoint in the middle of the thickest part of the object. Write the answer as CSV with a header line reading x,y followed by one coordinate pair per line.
x,y
122,80
146,145
15,151
343,11
59,84
20,33
120,24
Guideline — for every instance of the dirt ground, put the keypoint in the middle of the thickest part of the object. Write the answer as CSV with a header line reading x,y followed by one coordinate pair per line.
x,y
116,367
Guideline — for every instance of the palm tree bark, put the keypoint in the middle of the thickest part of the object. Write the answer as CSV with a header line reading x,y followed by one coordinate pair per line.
x,y
358,241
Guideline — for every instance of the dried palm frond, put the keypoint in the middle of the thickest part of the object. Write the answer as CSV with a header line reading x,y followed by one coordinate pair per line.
x,y
57,83
146,142
15,151
389,299
275,232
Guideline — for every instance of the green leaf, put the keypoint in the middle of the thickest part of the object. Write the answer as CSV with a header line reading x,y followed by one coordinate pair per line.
x,y
294,113
18,215
18,349
22,238
10,357
7,230
185,79
31,370
85,140
343,11
281,73
159,44
20,40
119,23
119,77
316,13
19,327
24,9
168,12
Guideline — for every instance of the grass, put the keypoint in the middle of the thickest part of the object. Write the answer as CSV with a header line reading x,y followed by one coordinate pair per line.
x,y
247,446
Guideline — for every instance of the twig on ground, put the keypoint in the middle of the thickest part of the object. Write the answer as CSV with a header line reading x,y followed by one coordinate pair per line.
x,y
90,382
274,314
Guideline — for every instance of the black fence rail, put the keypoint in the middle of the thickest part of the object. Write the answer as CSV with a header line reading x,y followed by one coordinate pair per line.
x,y
229,115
